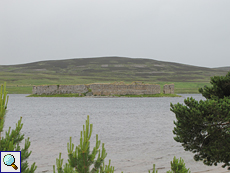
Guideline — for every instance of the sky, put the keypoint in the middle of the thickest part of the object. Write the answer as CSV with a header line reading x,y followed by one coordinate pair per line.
x,y
193,32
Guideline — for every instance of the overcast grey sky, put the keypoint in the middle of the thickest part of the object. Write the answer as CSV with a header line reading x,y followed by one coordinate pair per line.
x,y
195,32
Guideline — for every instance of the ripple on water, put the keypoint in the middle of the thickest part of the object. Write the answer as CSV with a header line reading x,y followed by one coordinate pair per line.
x,y
137,132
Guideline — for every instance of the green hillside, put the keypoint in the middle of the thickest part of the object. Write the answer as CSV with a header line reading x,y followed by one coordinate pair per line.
x,y
187,79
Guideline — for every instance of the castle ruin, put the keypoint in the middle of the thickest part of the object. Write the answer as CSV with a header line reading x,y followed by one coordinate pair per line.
x,y
99,89
168,89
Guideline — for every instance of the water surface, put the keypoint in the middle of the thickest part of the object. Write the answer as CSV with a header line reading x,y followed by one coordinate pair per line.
x,y
137,132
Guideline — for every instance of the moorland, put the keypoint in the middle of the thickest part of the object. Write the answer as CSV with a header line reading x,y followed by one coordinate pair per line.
x,y
186,78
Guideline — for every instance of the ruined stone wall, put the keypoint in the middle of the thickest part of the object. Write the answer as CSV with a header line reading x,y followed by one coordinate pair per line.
x,y
59,89
111,89
103,89
168,89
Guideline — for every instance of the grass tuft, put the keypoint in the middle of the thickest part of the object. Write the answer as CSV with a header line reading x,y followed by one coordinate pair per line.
x,y
128,95
56,95
149,95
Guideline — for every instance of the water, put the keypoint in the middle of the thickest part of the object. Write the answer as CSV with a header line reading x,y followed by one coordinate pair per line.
x,y
137,132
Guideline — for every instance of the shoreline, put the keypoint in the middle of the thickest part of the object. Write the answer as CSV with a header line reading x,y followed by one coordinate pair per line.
x,y
112,96
217,170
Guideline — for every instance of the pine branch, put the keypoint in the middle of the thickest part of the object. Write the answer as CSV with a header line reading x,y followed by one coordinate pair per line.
x,y
81,159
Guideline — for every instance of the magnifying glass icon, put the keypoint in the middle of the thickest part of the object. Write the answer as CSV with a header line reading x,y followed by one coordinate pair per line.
x,y
9,160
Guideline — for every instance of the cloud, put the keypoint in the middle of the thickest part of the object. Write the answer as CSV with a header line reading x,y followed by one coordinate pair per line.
x,y
191,32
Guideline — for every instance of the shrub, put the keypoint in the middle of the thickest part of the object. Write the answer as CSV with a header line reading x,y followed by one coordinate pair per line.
x,y
81,159
178,166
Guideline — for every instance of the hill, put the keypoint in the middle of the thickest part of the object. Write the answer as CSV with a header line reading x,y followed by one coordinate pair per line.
x,y
223,68
106,69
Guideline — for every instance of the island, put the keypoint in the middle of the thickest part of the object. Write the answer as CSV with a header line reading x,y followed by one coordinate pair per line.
x,y
116,89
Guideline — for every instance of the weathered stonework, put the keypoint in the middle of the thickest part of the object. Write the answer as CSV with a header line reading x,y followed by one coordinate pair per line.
x,y
59,89
111,89
168,89
99,89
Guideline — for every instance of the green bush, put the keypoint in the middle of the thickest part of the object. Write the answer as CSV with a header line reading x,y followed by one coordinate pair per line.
x,y
178,166
81,159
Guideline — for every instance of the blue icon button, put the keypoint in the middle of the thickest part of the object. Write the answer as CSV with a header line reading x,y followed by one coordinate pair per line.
x,y
9,160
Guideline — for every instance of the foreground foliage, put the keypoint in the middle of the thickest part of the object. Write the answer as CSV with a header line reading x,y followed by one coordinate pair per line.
x,y
13,137
81,159
178,166
203,127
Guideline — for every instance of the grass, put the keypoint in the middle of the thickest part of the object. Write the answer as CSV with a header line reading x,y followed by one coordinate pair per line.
x,y
55,95
179,87
19,89
150,95
128,95
185,87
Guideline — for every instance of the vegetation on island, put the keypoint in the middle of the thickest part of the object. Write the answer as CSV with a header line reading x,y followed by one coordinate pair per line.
x,y
83,95
56,95
149,95
179,87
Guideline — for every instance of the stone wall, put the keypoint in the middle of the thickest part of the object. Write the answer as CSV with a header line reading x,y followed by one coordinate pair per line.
x,y
111,89
103,89
168,89
59,89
